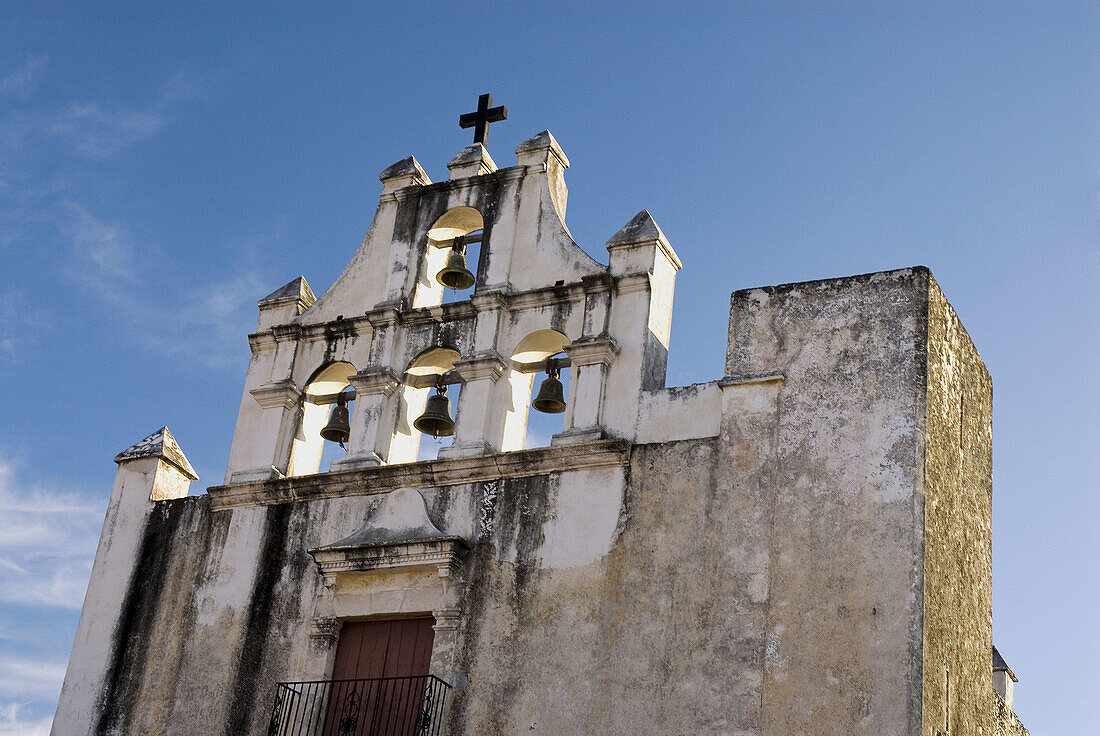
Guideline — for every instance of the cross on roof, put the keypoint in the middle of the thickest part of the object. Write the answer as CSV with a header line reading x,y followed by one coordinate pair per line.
x,y
480,119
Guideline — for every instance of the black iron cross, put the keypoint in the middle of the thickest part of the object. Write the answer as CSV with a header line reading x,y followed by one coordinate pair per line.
x,y
480,119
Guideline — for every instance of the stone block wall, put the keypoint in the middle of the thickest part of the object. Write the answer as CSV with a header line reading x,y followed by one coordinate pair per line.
x,y
958,619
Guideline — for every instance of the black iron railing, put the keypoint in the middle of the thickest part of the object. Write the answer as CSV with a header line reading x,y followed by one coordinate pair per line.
x,y
387,706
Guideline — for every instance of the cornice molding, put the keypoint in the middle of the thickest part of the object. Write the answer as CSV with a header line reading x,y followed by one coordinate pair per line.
x,y
281,394
290,332
443,555
262,341
747,379
427,474
487,365
592,351
375,380
632,282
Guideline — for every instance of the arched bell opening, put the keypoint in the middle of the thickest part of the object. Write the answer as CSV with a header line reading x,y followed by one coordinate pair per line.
x,y
536,369
310,453
451,258
421,375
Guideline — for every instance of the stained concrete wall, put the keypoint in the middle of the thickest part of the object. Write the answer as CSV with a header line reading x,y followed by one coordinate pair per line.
x,y
809,569
843,622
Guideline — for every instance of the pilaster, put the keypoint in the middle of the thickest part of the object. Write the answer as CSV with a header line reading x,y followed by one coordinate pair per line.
x,y
643,266
372,418
477,427
400,185
383,321
590,359
278,401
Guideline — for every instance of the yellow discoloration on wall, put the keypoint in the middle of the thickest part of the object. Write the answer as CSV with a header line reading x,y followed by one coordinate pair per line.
x,y
957,689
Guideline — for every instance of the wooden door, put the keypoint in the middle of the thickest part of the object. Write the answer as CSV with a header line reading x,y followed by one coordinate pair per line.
x,y
379,677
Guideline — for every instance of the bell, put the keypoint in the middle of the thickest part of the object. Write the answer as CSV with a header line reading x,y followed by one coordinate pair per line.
x,y
455,275
338,428
551,398
436,419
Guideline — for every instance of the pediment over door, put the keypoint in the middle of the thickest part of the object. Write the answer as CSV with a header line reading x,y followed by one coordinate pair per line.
x,y
398,537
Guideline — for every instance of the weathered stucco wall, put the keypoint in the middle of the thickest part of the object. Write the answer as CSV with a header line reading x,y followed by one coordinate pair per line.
x,y
816,567
649,639
843,621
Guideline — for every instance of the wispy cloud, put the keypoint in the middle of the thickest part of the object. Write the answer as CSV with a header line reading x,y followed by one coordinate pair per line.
x,y
48,539
100,133
51,195
44,201
211,326
28,678
89,128
23,80
100,249
203,322
49,169
37,685
19,320
16,719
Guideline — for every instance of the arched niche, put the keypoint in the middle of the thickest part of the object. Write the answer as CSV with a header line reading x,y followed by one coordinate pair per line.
x,y
535,347
451,224
406,439
308,447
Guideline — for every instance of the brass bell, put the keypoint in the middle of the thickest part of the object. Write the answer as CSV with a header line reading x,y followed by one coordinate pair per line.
x,y
436,419
455,275
338,428
551,398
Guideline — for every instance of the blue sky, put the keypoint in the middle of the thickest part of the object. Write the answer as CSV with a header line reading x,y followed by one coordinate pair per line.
x,y
162,167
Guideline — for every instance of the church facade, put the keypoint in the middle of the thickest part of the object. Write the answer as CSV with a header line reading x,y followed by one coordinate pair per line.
x,y
800,546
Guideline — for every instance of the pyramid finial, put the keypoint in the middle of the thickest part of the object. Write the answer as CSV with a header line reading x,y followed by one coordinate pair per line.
x,y
641,228
159,444
294,290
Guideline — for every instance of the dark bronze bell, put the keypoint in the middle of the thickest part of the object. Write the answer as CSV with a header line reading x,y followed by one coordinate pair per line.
x,y
436,419
338,428
551,398
455,275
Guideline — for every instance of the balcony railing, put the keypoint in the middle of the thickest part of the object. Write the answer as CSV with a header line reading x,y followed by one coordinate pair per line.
x,y
387,706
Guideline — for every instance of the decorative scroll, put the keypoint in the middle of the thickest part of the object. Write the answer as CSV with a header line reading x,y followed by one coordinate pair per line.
x,y
351,712
424,716
487,510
